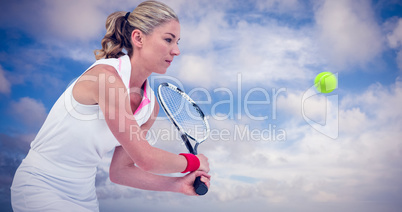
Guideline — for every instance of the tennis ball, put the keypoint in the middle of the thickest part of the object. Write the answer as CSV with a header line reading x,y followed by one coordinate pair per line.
x,y
325,82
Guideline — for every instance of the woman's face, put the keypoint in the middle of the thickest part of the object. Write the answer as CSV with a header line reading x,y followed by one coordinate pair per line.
x,y
161,46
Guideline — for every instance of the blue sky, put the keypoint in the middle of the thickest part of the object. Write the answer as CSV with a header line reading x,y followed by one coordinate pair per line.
x,y
275,143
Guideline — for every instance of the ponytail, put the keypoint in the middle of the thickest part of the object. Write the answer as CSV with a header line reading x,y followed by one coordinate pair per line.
x,y
117,38
120,25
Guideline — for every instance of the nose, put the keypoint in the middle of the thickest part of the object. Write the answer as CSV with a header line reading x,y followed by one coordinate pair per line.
x,y
175,51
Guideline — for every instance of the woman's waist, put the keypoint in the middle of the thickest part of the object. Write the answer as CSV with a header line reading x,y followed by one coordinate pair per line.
x,y
54,167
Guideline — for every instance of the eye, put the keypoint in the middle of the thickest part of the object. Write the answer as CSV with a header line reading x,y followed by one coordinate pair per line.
x,y
169,40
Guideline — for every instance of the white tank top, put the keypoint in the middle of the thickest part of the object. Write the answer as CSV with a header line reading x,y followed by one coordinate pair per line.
x,y
74,137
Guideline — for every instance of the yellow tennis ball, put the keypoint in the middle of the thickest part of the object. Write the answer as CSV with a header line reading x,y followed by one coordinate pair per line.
x,y
325,82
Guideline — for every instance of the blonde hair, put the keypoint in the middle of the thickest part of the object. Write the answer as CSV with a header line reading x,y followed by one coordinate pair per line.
x,y
145,17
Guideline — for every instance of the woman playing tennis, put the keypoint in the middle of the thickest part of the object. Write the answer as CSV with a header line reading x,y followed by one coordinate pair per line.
x,y
111,106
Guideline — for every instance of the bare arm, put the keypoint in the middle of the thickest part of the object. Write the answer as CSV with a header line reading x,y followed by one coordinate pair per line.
x,y
110,93
124,172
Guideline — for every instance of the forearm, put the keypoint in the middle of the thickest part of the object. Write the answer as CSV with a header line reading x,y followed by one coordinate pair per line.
x,y
150,159
123,171
159,161
119,118
137,178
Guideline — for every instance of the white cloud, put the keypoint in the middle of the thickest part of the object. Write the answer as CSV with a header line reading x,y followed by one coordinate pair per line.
x,y
201,34
294,104
68,29
5,85
379,101
314,168
198,9
262,53
348,32
272,53
197,70
394,38
29,111
399,60
353,120
278,6
74,19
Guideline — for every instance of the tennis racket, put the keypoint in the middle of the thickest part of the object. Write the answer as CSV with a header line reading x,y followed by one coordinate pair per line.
x,y
189,120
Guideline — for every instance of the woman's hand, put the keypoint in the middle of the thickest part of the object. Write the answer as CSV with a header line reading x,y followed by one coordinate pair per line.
x,y
186,182
204,164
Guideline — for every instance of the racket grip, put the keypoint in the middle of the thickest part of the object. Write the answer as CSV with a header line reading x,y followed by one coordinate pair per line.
x,y
200,187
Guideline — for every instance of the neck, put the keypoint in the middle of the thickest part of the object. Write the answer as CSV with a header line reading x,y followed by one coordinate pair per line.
x,y
138,74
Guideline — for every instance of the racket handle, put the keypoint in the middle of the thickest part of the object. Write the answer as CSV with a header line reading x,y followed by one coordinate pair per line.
x,y
200,187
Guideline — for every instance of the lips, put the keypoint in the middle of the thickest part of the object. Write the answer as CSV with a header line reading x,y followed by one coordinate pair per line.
x,y
169,61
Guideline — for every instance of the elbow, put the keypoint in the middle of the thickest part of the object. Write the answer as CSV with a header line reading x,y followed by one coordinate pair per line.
x,y
145,165
113,178
148,163
114,175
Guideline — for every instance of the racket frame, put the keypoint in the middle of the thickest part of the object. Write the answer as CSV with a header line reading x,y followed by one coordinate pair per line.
x,y
184,135
199,186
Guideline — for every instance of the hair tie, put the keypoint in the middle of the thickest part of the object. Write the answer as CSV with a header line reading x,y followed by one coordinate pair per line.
x,y
126,16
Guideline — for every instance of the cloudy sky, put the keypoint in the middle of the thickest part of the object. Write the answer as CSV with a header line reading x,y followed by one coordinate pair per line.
x,y
276,144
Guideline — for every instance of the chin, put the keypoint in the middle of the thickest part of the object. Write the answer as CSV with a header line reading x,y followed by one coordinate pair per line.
x,y
161,71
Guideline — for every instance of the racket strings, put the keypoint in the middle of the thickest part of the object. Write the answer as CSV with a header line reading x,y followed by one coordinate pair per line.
x,y
184,113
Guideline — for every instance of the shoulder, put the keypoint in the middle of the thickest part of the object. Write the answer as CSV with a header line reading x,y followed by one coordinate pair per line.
x,y
101,69
97,79
106,74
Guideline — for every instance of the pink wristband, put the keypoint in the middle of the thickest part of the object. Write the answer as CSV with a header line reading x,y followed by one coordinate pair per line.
x,y
193,163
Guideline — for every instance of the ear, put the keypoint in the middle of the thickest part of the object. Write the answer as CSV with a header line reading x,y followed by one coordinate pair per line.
x,y
137,37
